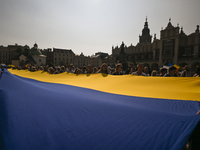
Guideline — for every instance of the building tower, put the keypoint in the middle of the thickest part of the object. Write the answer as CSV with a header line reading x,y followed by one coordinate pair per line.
x,y
35,46
145,37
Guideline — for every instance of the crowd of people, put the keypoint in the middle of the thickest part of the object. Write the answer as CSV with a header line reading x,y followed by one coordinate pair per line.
x,y
139,70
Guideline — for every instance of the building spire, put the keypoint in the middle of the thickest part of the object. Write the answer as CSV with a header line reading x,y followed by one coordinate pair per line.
x,y
169,24
154,36
197,30
181,29
145,37
146,23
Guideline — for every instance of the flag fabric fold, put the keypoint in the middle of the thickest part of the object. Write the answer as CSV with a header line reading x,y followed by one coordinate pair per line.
x,y
40,114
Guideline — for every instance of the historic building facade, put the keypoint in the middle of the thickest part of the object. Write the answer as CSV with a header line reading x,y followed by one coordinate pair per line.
x,y
95,61
7,54
174,46
63,57
49,56
36,55
81,60
12,55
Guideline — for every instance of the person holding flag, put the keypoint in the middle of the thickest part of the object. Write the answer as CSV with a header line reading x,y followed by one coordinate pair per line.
x,y
172,72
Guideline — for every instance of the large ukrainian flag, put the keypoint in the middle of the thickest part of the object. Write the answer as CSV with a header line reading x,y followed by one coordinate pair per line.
x,y
96,111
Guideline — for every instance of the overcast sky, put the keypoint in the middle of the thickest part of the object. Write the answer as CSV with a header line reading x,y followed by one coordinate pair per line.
x,y
90,26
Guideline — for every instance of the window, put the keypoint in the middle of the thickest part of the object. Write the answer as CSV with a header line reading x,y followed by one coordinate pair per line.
x,y
188,51
39,60
168,50
149,56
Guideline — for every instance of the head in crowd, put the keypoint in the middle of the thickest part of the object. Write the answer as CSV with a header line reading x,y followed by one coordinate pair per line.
x,y
31,67
34,68
172,71
84,69
62,69
140,67
163,71
41,68
58,69
118,68
77,71
146,70
187,68
104,69
95,70
71,67
132,68
197,74
89,69
51,70
46,68
139,71
154,73
54,67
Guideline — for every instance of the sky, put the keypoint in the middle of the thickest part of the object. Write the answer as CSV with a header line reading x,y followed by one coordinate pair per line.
x,y
90,26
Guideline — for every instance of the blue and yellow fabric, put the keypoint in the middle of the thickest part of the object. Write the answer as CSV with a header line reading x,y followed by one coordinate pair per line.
x,y
96,111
